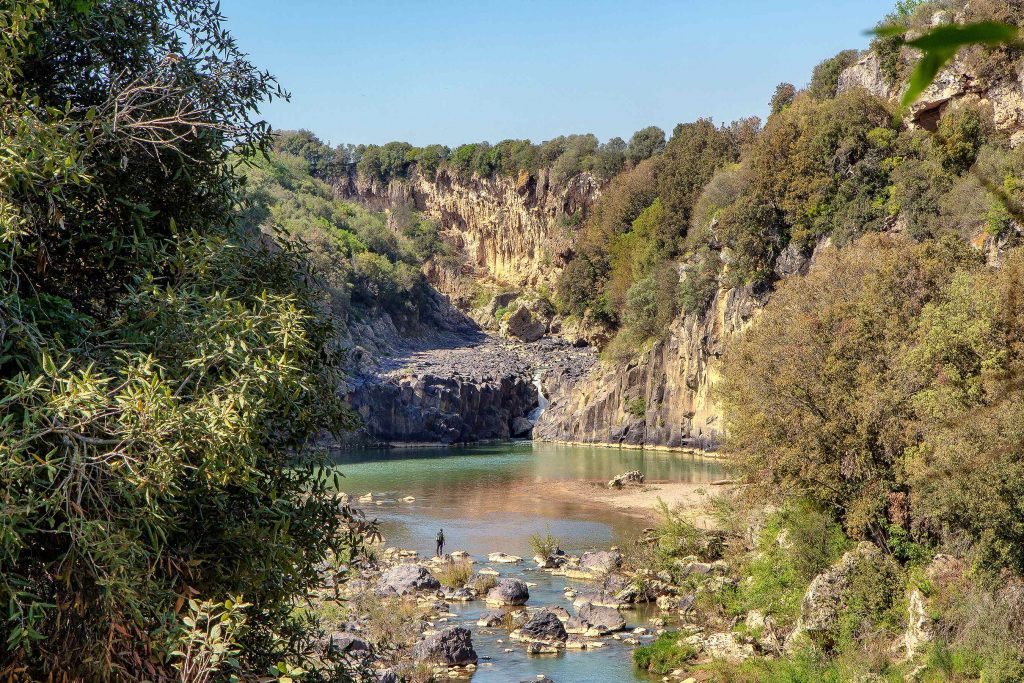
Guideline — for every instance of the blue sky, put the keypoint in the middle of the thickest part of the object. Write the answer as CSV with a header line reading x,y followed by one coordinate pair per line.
x,y
454,72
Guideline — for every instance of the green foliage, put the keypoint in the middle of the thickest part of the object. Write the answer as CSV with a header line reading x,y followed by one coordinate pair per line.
x,y
830,420
825,78
782,97
645,143
637,407
665,654
546,545
162,369
796,544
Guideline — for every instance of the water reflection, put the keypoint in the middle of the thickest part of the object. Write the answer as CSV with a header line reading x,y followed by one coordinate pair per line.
x,y
491,498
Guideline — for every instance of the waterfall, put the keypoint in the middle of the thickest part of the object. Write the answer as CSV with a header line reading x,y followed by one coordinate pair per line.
x,y
542,400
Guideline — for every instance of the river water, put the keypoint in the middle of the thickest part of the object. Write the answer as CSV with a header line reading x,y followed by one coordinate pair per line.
x,y
491,498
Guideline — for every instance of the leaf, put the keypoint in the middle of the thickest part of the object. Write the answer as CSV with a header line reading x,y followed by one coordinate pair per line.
x,y
927,69
955,36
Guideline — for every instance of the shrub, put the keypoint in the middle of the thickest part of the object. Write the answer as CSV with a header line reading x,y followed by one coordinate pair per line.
x,y
454,574
666,653
546,545
637,407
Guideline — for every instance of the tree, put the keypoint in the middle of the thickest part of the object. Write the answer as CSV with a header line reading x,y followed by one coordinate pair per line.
x,y
783,97
816,401
163,370
645,143
825,78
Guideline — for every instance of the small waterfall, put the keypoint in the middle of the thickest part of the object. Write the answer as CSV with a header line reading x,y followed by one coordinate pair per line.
x,y
542,400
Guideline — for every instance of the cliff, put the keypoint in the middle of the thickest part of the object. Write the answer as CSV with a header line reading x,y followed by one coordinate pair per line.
x,y
508,231
664,397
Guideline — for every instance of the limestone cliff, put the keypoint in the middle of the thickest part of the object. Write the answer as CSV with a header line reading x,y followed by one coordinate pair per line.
x,y
965,80
509,231
662,398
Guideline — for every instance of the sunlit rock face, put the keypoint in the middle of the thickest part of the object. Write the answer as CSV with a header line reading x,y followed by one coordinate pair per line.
x,y
513,231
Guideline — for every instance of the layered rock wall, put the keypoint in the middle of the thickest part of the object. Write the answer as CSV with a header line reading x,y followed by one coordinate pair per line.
x,y
511,231
662,398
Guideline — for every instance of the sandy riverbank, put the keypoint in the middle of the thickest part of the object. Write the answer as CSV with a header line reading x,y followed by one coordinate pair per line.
x,y
643,501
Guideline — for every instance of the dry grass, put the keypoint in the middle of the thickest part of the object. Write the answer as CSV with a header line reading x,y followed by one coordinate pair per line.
x,y
454,574
482,583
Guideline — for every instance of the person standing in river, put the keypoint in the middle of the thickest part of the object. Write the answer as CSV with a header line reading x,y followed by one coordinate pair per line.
x,y
440,543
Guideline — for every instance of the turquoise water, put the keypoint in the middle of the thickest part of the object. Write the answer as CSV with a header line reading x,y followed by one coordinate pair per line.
x,y
491,498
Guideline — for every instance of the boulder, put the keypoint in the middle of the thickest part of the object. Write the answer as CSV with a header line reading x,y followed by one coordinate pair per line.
x,y
825,600
509,592
404,579
521,427
522,324
492,618
504,558
543,627
451,646
727,647
344,642
605,619
601,561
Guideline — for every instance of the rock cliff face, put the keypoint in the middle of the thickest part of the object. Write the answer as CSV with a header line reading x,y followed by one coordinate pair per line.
x,y
1002,90
513,231
663,398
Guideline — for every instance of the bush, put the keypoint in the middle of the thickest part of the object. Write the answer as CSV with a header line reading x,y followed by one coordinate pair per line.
x,y
454,574
666,653
163,369
546,545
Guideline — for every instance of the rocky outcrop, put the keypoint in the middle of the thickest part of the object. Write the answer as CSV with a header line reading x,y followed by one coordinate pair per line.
x,y
469,390
510,230
544,627
663,397
1000,89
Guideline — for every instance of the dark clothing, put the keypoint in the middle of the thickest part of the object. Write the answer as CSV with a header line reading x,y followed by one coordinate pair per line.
x,y
440,544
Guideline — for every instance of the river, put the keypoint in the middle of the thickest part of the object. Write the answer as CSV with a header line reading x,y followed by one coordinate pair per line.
x,y
491,498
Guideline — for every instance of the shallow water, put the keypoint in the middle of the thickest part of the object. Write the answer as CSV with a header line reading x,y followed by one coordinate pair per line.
x,y
491,498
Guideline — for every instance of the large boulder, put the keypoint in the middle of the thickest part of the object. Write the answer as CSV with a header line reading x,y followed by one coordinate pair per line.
x,y
544,627
452,646
727,647
508,592
522,324
604,619
600,562
828,595
405,579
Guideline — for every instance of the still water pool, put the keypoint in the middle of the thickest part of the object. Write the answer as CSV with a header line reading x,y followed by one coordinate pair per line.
x,y
491,498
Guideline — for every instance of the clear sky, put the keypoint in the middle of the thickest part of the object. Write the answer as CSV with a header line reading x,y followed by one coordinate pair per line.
x,y
451,71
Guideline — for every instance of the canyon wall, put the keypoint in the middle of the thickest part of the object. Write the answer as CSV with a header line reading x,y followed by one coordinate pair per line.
x,y
662,398
513,232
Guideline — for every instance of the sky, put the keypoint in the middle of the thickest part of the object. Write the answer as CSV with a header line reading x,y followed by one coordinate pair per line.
x,y
451,72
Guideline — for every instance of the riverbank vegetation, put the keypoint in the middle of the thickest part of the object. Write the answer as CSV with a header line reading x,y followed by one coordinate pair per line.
x,y
163,369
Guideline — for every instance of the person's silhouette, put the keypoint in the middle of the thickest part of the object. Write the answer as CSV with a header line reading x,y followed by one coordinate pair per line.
x,y
440,543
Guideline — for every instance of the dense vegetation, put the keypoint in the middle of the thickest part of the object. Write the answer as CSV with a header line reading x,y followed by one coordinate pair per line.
x,y
875,403
162,369
367,264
